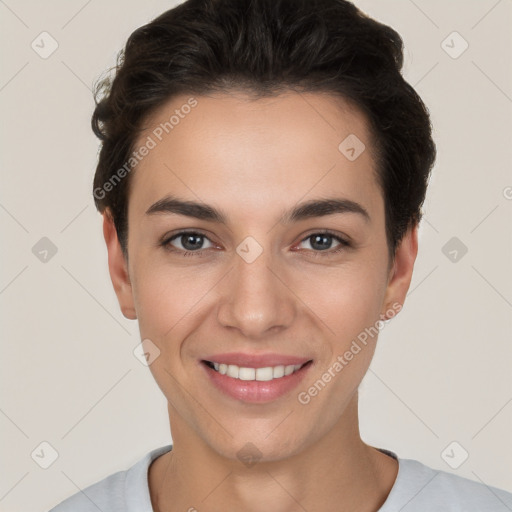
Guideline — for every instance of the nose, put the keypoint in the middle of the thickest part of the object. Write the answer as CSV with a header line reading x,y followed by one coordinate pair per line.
x,y
256,299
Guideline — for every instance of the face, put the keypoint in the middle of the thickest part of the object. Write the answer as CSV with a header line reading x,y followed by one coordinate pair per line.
x,y
262,273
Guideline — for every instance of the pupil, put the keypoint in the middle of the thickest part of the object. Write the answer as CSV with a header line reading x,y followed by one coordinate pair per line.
x,y
323,238
192,245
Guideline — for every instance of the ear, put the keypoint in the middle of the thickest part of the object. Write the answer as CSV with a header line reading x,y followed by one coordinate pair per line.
x,y
118,268
400,274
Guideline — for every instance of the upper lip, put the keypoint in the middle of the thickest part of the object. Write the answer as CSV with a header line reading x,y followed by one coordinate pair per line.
x,y
256,360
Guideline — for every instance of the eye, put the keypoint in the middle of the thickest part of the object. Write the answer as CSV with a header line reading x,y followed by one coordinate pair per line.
x,y
191,243
187,242
321,242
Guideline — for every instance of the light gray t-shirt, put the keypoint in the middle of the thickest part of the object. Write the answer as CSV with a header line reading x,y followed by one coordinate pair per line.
x,y
417,488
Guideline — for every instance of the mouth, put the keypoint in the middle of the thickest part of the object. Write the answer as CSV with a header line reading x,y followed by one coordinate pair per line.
x,y
260,384
265,374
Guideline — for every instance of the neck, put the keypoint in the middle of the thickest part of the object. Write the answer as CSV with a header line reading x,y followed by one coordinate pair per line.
x,y
338,473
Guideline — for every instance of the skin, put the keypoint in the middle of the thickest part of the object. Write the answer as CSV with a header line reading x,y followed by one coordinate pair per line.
x,y
254,160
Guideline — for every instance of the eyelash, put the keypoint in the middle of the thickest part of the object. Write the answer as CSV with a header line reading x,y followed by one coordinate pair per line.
x,y
344,244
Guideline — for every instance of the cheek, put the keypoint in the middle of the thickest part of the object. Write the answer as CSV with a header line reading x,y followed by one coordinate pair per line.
x,y
167,302
168,298
348,302
347,298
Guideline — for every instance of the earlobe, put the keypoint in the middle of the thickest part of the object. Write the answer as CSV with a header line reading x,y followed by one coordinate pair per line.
x,y
118,268
401,273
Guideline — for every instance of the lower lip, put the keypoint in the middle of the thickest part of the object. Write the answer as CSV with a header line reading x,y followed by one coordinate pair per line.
x,y
255,391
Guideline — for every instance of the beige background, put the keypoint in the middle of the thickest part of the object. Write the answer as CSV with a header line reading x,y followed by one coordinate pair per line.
x,y
69,377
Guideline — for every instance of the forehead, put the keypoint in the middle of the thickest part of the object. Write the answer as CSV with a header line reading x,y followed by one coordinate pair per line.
x,y
252,153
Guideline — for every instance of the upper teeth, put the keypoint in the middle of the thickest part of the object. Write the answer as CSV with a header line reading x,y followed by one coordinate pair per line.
x,y
267,373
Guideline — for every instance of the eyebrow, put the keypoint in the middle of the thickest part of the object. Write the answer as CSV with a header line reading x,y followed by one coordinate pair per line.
x,y
306,210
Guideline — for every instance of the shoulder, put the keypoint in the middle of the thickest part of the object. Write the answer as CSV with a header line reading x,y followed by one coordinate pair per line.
x,y
421,488
123,491
106,495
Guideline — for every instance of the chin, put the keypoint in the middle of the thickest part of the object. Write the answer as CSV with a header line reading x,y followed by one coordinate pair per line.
x,y
258,448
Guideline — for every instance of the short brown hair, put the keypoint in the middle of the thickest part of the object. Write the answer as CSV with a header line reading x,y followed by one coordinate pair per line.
x,y
265,47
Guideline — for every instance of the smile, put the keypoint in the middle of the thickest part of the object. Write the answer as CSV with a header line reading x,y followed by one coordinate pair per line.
x,y
255,385
260,374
